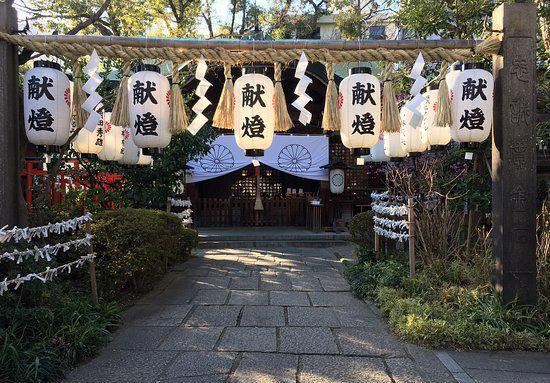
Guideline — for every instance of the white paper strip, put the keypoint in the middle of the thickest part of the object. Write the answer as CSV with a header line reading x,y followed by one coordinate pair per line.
x,y
303,99
202,103
417,67
90,87
419,83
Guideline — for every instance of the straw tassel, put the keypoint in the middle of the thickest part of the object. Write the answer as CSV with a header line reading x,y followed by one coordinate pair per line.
x,y
390,112
178,117
223,118
331,114
120,115
79,97
283,122
443,115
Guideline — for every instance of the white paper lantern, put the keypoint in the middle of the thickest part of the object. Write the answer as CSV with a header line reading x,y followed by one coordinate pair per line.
x,y
130,152
360,111
392,146
452,75
47,104
472,105
337,179
377,153
254,113
89,143
149,104
411,139
435,137
113,141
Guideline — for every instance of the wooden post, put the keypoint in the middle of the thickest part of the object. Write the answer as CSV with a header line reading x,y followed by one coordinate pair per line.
x,y
168,205
412,258
376,242
93,279
9,121
514,154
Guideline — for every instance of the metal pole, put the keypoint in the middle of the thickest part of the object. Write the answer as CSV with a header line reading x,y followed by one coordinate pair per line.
x,y
412,258
514,154
9,124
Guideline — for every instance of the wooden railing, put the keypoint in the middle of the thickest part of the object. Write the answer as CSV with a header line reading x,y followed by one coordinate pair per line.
x,y
223,212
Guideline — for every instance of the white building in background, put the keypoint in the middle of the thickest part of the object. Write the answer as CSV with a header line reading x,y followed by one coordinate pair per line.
x,y
381,28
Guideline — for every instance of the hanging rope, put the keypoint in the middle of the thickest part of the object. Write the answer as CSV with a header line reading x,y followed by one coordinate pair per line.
x,y
331,114
283,122
443,115
178,117
74,50
390,112
120,115
223,118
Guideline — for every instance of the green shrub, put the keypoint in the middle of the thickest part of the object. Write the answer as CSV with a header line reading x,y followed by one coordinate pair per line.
x,y
449,305
38,343
361,229
133,247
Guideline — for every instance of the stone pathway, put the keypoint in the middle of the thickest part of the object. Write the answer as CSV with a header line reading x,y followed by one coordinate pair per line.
x,y
241,315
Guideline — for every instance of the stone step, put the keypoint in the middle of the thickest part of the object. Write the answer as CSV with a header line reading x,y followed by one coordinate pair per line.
x,y
214,244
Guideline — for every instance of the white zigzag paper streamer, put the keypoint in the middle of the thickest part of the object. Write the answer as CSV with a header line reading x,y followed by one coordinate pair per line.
x,y
303,99
203,102
90,87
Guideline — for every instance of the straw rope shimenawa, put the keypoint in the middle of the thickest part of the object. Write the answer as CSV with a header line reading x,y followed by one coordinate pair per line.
x,y
120,115
283,122
135,48
223,118
331,114
79,97
178,117
443,116
390,112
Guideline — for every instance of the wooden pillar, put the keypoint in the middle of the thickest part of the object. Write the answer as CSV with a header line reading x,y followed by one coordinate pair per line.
x,y
9,124
514,156
411,222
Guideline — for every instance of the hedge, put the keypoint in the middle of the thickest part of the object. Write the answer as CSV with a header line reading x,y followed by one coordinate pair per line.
x,y
133,247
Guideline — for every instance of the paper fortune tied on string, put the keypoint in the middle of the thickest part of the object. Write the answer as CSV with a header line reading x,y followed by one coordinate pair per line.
x,y
303,99
90,87
203,102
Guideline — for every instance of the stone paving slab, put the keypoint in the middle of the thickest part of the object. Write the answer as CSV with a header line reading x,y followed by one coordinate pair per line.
x,y
139,338
312,317
266,368
289,298
194,364
262,339
248,297
263,316
284,315
342,369
117,366
156,315
204,316
368,341
307,340
191,339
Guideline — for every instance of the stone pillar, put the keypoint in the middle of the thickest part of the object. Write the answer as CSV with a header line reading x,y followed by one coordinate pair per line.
x,y
9,124
514,155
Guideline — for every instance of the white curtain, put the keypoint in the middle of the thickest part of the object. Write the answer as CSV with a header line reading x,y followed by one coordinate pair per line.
x,y
301,156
